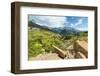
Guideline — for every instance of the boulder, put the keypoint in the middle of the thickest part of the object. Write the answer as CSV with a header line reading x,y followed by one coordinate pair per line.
x,y
60,52
81,47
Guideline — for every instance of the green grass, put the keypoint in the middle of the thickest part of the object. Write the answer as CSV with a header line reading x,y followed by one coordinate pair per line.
x,y
40,41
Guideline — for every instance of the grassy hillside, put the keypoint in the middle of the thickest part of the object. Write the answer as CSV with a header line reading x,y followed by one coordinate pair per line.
x,y
40,41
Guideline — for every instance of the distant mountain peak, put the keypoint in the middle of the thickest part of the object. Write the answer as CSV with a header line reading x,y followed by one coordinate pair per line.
x,y
59,30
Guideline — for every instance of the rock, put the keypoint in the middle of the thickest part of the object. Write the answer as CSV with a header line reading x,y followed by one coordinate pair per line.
x,y
81,47
69,55
80,55
60,52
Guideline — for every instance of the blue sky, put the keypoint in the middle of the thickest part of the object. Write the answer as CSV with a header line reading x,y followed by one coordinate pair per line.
x,y
77,22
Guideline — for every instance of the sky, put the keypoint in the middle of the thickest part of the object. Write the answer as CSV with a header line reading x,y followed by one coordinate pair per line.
x,y
76,22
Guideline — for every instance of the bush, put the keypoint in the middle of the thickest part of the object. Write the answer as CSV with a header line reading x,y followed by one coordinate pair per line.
x,y
68,37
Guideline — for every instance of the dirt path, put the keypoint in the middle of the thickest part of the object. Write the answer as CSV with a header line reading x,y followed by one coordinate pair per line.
x,y
49,56
52,56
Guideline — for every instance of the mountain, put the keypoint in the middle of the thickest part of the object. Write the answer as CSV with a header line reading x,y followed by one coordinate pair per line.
x,y
64,31
32,24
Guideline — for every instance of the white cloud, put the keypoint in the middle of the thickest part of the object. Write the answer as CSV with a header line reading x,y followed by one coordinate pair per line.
x,y
79,22
50,21
80,25
72,25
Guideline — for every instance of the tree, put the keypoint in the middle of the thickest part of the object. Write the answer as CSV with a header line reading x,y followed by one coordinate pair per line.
x,y
30,24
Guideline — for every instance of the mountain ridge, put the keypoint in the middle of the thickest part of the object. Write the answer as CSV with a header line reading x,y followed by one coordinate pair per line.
x,y
64,31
